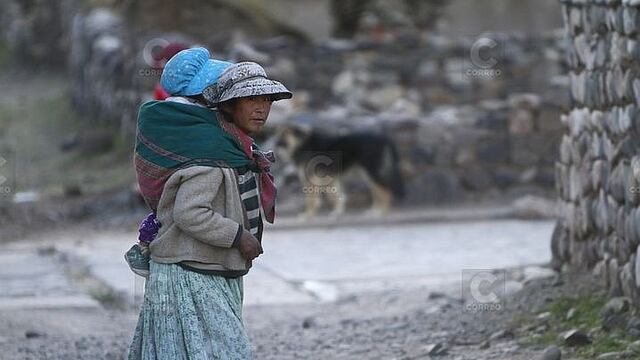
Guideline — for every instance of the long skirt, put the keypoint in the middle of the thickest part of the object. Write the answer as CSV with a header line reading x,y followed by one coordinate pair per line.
x,y
188,315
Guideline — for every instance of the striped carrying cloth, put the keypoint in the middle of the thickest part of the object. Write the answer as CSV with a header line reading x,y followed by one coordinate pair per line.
x,y
249,194
171,136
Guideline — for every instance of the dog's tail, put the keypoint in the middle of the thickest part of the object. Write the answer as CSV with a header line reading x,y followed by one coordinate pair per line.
x,y
389,173
397,181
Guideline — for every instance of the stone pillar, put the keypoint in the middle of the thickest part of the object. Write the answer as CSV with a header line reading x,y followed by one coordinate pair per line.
x,y
598,172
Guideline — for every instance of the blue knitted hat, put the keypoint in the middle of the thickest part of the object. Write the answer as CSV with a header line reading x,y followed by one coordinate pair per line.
x,y
190,71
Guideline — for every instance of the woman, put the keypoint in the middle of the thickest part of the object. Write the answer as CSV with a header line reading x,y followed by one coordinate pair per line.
x,y
216,189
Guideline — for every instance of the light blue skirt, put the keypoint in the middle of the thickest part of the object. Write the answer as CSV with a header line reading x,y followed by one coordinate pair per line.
x,y
188,315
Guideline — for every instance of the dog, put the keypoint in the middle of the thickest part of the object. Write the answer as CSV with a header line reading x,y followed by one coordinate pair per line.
x,y
321,159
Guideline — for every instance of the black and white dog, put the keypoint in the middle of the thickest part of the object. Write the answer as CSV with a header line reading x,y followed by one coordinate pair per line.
x,y
321,159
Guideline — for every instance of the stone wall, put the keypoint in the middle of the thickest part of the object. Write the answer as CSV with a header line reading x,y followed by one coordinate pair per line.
x,y
525,16
464,136
37,32
598,171
465,132
102,62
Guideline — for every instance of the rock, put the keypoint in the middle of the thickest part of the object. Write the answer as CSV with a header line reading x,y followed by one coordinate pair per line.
x,y
437,349
614,355
530,206
502,334
82,344
575,183
394,328
505,177
575,337
72,190
616,183
531,150
633,323
384,97
476,179
69,143
551,353
485,345
46,250
545,177
541,329
627,275
570,314
600,272
26,197
615,306
614,321
524,113
600,173
637,268
444,187
535,272
511,287
493,121
527,101
494,150
521,122
30,334
557,280
436,295
594,331
565,149
613,270
634,347
559,241
528,175
544,316
308,322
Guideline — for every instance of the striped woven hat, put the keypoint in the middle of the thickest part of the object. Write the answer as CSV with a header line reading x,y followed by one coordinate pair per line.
x,y
242,80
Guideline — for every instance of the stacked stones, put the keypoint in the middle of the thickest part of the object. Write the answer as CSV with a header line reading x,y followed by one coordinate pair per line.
x,y
460,146
598,171
102,73
497,148
36,32
464,134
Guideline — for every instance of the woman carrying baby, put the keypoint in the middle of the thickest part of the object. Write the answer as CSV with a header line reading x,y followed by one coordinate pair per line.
x,y
210,188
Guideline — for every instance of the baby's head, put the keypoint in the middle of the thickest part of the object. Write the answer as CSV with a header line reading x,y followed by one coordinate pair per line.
x,y
190,71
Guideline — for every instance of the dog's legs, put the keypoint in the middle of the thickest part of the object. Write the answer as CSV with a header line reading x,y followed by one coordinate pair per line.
x,y
313,204
382,198
337,196
312,199
381,195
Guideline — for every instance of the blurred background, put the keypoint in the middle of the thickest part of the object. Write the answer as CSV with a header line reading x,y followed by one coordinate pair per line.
x,y
469,93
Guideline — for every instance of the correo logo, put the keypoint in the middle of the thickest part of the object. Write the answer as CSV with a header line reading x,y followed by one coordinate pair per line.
x,y
485,54
150,48
483,43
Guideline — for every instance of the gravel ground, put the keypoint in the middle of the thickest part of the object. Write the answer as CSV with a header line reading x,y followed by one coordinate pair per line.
x,y
393,325
381,325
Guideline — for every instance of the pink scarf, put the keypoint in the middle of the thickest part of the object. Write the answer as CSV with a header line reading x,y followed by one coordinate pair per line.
x,y
263,161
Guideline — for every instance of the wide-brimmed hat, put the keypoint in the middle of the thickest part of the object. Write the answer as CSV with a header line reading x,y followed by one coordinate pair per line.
x,y
242,80
190,71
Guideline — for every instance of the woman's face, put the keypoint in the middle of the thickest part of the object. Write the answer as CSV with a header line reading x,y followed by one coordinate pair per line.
x,y
250,113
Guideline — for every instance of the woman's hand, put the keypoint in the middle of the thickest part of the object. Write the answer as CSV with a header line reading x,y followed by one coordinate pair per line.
x,y
249,246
